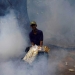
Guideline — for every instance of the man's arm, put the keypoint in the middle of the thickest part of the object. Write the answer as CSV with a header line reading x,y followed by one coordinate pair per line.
x,y
41,39
41,43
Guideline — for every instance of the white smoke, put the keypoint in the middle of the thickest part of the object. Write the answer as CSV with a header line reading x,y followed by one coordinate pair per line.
x,y
50,20
41,67
12,45
57,20
12,42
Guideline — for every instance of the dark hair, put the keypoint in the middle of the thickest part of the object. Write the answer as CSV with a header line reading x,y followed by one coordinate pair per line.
x,y
33,25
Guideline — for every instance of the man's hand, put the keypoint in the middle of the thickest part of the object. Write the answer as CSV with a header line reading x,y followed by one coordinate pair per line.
x,y
41,43
32,44
39,48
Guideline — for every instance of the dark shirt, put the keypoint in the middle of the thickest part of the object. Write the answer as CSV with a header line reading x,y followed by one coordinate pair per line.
x,y
36,38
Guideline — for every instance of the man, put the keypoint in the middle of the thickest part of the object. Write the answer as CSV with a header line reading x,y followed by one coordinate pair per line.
x,y
36,35
36,38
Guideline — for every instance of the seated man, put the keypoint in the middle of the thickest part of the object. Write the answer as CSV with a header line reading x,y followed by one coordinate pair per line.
x,y
36,38
36,35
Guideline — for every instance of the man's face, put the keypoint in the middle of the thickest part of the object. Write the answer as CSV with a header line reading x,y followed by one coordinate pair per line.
x,y
33,27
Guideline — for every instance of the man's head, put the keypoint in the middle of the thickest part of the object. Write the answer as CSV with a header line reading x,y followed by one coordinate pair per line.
x,y
33,25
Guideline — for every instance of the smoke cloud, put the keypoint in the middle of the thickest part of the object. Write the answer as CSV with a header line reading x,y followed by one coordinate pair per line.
x,y
12,41
56,19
